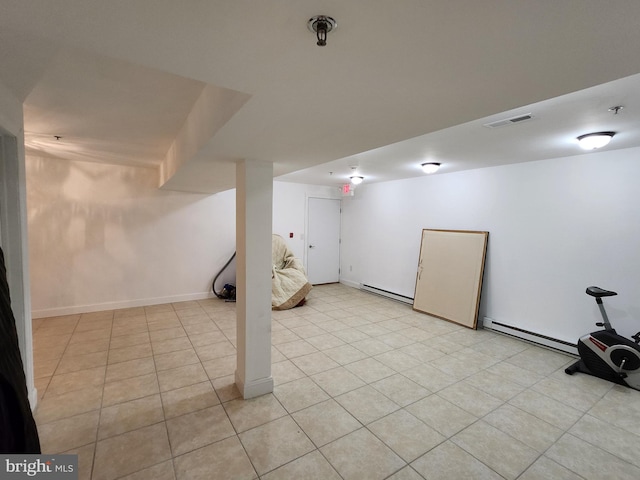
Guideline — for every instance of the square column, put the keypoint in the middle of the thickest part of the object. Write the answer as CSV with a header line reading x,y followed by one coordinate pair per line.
x,y
254,203
13,238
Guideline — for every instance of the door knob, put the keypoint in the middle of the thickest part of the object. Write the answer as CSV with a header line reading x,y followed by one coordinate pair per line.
x,y
312,246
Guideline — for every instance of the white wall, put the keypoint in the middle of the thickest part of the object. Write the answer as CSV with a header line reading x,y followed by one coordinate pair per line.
x,y
104,236
556,227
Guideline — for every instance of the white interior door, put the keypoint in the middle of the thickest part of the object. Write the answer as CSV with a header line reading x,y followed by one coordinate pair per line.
x,y
323,241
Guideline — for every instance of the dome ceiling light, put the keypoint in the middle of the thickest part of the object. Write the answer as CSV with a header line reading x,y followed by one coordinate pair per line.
x,y
591,141
430,167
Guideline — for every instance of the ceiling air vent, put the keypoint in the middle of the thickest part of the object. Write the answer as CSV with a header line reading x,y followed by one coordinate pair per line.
x,y
509,121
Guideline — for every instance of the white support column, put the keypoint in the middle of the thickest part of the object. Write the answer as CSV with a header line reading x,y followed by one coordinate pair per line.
x,y
254,200
13,238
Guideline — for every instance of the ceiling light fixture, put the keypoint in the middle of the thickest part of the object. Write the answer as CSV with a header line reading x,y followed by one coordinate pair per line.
x,y
356,179
591,141
430,167
321,25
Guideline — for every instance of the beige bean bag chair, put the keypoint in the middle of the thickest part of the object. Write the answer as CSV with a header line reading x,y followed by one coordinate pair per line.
x,y
289,284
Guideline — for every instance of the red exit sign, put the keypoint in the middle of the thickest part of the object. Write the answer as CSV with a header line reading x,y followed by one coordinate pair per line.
x,y
347,190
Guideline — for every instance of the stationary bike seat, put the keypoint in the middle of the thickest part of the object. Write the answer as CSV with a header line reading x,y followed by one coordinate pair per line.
x,y
599,292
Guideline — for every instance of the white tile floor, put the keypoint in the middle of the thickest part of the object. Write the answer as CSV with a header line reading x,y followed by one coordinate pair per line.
x,y
365,389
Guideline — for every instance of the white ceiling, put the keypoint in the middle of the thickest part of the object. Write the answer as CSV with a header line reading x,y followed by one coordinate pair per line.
x,y
551,133
117,80
115,111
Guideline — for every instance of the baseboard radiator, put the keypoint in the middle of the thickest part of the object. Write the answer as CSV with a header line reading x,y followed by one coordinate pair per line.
x,y
386,293
490,324
533,337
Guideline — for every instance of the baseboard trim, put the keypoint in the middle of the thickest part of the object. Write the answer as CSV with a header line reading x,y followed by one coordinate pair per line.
x,y
386,293
350,283
255,388
533,337
141,302
33,399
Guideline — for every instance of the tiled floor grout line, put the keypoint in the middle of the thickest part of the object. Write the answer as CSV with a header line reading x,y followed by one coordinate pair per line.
x,y
63,352
362,426
436,393
164,416
225,410
567,430
400,372
95,448
290,414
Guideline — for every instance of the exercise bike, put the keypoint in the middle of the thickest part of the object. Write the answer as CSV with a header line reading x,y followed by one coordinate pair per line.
x,y
606,354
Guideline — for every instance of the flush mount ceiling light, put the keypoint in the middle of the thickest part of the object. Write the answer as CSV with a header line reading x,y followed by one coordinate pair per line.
x,y
356,179
430,167
591,141
321,25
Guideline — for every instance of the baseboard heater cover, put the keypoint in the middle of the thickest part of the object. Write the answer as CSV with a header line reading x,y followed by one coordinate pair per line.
x,y
386,293
537,338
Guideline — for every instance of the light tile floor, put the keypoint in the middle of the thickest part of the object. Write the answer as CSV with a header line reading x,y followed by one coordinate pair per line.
x,y
365,389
